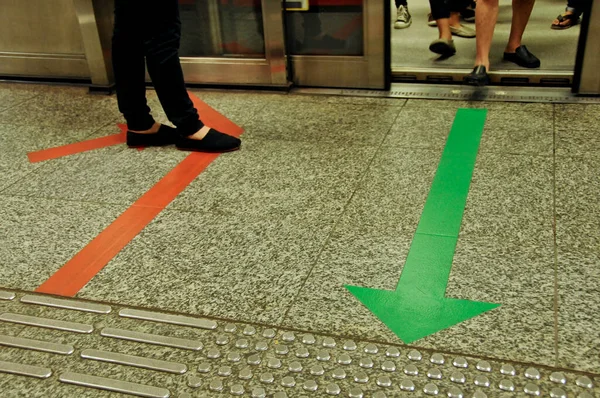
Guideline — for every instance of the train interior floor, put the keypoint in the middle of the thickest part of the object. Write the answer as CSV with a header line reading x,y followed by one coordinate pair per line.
x,y
555,48
238,286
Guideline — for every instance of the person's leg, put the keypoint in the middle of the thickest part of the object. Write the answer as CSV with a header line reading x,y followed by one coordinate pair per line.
x,y
440,12
485,22
129,67
570,17
403,17
521,13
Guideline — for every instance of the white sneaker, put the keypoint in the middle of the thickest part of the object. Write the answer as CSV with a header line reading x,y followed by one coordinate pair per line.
x,y
403,18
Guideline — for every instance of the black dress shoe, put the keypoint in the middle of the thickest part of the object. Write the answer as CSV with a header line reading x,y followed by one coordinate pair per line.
x,y
523,57
478,77
214,141
165,136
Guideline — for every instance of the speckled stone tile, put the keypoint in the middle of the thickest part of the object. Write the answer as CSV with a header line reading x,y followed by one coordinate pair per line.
x,y
64,107
577,130
277,178
433,105
511,197
578,309
109,175
421,128
577,203
37,236
16,141
337,124
12,94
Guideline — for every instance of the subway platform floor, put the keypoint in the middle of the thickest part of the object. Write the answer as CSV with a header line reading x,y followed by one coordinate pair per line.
x,y
238,286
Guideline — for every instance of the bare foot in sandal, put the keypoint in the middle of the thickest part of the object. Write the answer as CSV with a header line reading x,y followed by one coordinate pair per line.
x,y
565,20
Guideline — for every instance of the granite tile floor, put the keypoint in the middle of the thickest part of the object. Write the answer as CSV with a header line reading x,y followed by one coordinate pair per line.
x,y
326,191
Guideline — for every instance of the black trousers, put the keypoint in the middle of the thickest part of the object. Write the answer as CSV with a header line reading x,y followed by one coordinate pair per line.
x,y
441,9
401,3
577,5
148,33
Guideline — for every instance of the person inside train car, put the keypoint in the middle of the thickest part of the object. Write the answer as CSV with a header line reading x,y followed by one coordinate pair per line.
x,y
403,17
446,14
571,16
485,22
148,34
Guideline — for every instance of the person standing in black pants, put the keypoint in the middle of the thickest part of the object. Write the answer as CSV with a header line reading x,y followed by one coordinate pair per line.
x,y
446,13
148,33
403,17
571,16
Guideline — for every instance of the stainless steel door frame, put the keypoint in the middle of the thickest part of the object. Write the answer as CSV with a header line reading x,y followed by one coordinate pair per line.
x,y
588,77
270,71
367,71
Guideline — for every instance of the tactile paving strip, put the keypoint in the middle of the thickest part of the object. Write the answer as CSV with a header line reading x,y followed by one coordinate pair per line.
x,y
237,359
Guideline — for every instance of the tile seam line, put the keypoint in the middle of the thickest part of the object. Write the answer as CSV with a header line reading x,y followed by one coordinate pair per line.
x,y
554,227
359,183
326,334
20,103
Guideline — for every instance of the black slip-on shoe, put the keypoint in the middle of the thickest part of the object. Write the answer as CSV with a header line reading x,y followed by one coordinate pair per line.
x,y
478,77
165,136
213,142
523,57
443,47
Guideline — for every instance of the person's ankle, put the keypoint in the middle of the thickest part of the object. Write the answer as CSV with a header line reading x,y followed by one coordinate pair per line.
x,y
152,130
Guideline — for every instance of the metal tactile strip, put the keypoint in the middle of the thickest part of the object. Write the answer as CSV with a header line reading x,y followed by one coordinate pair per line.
x,y
6,295
37,345
66,304
25,370
136,361
104,383
47,323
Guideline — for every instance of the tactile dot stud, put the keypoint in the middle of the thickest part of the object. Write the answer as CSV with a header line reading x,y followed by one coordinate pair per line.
x,y
288,336
455,392
259,392
344,359
328,342
384,381
349,345
295,367
288,381
361,377
249,330
213,353
371,349
234,356
484,366
366,363
388,366
558,393
323,355
194,382
532,373
411,370
230,328
281,349
458,377
338,373
431,389
222,339
584,381
379,394
268,333
308,339
479,394
237,389
241,343
310,385
245,374
261,346
317,370
415,355
585,394
506,385
356,393
274,363
508,370
224,371
333,389
204,367
460,362
392,352
407,385
482,381
302,352
532,389
216,385
280,394
437,359
254,359
434,373
267,378
558,377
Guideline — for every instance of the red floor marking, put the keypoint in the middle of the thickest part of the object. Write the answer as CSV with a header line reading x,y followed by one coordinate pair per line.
x,y
347,30
78,271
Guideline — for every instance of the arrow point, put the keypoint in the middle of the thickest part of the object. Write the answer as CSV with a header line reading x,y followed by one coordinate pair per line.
x,y
412,315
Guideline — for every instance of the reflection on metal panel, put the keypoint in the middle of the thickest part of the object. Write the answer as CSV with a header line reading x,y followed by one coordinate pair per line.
x,y
590,78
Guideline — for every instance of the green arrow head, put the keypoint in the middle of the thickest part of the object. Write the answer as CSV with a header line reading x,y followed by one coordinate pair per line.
x,y
412,314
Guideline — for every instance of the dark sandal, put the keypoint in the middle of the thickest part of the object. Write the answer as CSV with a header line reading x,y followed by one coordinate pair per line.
x,y
569,20
214,142
165,136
